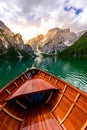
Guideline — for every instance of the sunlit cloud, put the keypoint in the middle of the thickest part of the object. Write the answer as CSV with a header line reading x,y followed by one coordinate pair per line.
x,y
34,17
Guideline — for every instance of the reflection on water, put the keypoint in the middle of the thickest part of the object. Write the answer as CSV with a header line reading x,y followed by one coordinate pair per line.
x,y
73,70
38,60
10,68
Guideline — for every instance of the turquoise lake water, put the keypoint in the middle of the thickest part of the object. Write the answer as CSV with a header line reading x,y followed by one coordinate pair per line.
x,y
73,70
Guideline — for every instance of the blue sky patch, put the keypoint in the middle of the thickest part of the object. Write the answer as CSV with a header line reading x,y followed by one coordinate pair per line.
x,y
77,11
68,8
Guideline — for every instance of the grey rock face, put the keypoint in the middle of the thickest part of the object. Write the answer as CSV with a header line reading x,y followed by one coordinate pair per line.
x,y
3,26
35,42
54,41
12,44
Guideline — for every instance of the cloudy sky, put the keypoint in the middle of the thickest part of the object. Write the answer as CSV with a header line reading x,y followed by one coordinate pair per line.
x,y
33,17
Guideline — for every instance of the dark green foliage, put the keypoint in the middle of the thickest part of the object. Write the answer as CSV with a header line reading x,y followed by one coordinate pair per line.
x,y
48,54
2,49
79,48
25,54
11,52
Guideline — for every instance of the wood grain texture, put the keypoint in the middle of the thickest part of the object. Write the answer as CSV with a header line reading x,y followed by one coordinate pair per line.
x,y
33,86
62,106
40,119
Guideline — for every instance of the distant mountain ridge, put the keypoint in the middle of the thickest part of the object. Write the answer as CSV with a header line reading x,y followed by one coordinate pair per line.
x,y
3,26
79,48
12,45
54,41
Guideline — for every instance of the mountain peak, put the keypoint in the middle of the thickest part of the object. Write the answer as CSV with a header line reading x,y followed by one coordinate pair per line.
x,y
3,26
56,39
79,48
54,29
12,45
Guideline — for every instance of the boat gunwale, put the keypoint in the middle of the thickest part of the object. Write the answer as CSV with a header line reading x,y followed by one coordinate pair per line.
x,y
47,76
12,81
65,82
50,74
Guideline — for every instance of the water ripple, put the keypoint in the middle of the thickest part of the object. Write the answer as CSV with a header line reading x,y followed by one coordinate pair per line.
x,y
79,80
73,70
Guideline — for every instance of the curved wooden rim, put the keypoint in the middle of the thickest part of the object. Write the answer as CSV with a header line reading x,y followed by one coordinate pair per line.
x,y
61,80
10,114
23,95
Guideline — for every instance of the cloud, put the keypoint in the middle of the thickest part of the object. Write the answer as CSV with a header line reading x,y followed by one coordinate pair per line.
x,y
31,17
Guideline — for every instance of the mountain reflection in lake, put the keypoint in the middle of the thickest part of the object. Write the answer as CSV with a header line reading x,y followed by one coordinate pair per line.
x,y
73,70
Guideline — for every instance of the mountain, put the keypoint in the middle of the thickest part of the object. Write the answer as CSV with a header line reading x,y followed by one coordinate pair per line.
x,y
54,41
79,34
12,45
35,42
3,26
79,48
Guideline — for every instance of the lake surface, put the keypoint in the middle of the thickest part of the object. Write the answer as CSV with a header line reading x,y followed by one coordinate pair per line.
x,y
73,70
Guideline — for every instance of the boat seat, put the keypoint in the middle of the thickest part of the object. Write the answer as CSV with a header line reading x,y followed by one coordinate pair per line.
x,y
32,86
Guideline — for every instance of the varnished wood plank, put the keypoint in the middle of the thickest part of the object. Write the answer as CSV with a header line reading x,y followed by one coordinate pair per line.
x,y
27,98
82,108
84,127
50,77
44,75
22,78
15,84
8,91
13,116
2,106
56,82
59,99
20,104
70,109
49,97
33,86
22,123
60,128
40,119
25,76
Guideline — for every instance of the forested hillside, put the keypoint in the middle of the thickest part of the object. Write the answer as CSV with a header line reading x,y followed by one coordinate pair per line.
x,y
79,48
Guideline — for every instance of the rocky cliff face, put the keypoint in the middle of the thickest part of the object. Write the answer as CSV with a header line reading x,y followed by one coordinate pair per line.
x,y
79,34
54,41
79,48
35,42
11,44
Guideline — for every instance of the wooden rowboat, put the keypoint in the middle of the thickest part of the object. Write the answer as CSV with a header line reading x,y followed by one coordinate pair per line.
x,y
37,100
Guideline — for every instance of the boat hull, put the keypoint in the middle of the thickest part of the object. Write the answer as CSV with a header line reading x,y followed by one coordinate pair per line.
x,y
38,100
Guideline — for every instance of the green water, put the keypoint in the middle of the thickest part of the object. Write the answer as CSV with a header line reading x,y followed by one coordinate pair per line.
x,y
73,70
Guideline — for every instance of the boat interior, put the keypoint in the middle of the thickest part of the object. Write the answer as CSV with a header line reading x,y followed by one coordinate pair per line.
x,y
37,100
